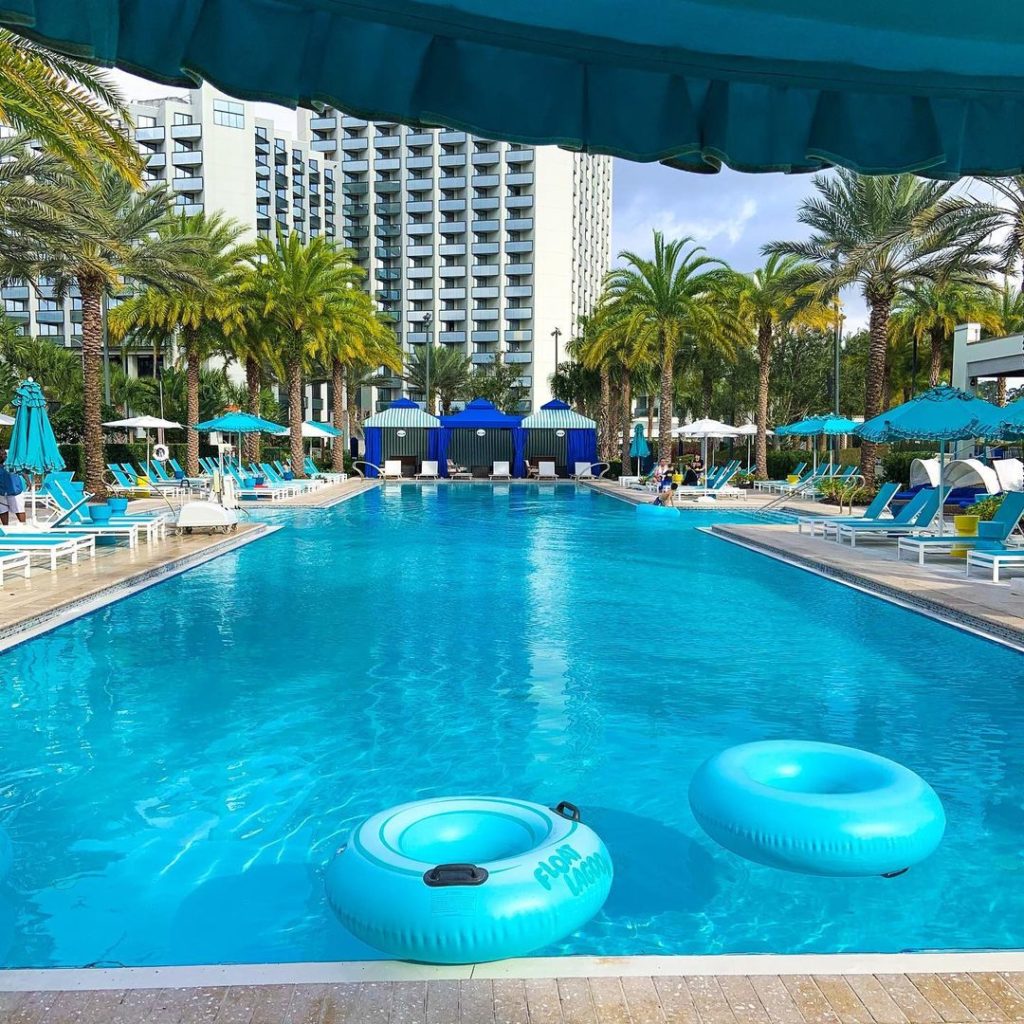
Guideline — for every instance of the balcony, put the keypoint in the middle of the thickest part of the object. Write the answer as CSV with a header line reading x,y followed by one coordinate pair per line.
x,y
356,166
353,122
386,164
452,294
191,184
484,358
517,336
323,145
519,224
19,316
388,252
453,314
485,292
416,139
485,315
387,209
452,227
187,132
519,202
419,163
323,124
355,145
150,135
518,357
355,209
417,206
519,291
519,312
419,184
416,230
519,156
416,337
452,205
517,248
15,291
418,252
451,272
387,274
193,159
76,316
451,184
525,381
386,142
49,316
519,178
484,337
452,337
387,381
189,209
484,204
485,248
388,231
355,231
451,160
485,181
451,138
486,270
388,294
519,269
485,227
156,160
355,188
486,159
262,171
453,249
419,294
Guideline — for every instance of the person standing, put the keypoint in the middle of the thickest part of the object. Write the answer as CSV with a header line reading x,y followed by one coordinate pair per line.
x,y
12,492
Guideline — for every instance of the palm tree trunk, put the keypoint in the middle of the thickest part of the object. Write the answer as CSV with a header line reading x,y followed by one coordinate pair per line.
x,y
627,418
92,393
606,418
297,455
338,415
1000,391
764,373
665,408
650,416
253,388
937,341
192,367
875,381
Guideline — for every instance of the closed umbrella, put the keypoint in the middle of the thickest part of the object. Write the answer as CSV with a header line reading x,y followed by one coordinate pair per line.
x,y
33,449
146,423
704,429
639,448
942,414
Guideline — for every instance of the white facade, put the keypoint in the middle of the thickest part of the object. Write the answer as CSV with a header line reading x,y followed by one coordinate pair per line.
x,y
485,246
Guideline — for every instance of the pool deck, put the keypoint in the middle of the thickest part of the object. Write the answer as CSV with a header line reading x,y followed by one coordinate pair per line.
x,y
565,991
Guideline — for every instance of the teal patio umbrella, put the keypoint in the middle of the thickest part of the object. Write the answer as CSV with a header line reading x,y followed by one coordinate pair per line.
x,y
828,425
237,423
639,449
1009,423
758,85
33,449
941,415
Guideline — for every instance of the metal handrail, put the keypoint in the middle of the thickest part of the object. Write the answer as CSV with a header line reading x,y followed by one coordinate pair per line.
x,y
363,462
606,465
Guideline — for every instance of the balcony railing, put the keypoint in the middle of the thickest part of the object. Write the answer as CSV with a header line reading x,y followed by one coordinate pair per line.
x,y
416,139
387,188
453,294
452,227
387,164
189,132
323,124
323,145
484,358
483,315
452,160
486,159
191,184
486,270
356,166
451,184
355,145
387,230
518,336
419,251
519,178
419,163
388,252
519,269
419,184
451,138
420,229
485,227
519,291
519,224
417,206
355,209
517,248
485,248
193,159
519,156
485,181
154,134
419,273
452,337
451,272
386,274
355,188
486,203
483,337
518,202
485,292
518,357
387,209
519,313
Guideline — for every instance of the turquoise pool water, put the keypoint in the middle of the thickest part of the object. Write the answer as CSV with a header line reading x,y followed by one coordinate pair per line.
x,y
178,769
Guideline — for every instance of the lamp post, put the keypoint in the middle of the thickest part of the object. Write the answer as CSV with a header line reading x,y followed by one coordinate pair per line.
x,y
427,319
556,334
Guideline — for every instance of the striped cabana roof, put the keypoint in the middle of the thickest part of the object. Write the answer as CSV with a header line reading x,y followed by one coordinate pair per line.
x,y
556,415
402,413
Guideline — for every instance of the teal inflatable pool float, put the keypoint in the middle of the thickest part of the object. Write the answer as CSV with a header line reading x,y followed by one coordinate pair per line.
x,y
468,879
817,808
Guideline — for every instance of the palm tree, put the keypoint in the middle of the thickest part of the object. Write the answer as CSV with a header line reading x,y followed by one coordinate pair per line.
x,y
114,233
72,109
883,234
773,297
302,293
657,301
450,375
201,312
1006,317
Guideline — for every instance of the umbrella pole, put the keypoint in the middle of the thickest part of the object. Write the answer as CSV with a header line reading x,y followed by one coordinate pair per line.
x,y
942,485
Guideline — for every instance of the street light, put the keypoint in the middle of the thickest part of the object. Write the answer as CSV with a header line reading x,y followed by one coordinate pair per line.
x,y
556,334
427,319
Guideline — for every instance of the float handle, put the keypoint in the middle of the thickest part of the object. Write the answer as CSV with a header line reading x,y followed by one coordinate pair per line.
x,y
454,874
567,810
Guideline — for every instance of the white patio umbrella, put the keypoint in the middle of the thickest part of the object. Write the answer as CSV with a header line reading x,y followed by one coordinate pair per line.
x,y
5,420
146,423
748,430
704,429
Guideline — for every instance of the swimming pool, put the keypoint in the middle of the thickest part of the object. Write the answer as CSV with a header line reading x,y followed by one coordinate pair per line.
x,y
179,767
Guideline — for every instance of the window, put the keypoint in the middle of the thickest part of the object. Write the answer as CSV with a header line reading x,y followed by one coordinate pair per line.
x,y
145,121
49,330
180,118
228,113
49,304
144,366
183,147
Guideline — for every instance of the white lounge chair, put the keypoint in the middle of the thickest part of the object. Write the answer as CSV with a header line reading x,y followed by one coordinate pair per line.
x,y
11,560
392,469
501,471
996,560
428,471
581,471
546,471
457,472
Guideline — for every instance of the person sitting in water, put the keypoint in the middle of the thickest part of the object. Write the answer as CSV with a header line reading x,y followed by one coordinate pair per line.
x,y
666,496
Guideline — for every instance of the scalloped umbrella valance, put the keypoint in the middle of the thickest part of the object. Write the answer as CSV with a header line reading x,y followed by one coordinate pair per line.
x,y
759,85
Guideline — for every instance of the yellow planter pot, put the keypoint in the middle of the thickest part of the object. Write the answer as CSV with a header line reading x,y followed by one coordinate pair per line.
x,y
965,526
792,479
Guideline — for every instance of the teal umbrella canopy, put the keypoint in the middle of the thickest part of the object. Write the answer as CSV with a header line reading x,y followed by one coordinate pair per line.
x,y
1009,423
815,425
33,448
639,449
239,423
758,85
941,414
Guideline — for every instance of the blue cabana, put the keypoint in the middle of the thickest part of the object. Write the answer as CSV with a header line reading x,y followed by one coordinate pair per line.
x,y
482,431
558,430
404,430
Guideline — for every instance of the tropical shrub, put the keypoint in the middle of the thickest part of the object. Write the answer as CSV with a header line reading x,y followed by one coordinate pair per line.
x,y
896,464
985,508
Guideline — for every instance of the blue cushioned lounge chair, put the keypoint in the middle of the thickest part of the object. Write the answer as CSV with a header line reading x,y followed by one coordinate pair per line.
x,y
1004,522
873,513
915,517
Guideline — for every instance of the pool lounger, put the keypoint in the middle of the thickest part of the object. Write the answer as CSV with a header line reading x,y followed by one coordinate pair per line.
x,y
915,517
53,547
995,560
71,497
11,559
1005,521
873,513
501,471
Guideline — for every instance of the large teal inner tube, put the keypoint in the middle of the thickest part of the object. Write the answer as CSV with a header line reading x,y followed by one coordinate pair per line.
x,y
468,879
817,808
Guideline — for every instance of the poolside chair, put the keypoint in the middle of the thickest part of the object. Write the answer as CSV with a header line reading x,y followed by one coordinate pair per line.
x,y
457,472
501,471
428,470
995,559
767,485
915,517
71,498
274,477
51,547
392,469
546,471
873,513
11,560
122,480
245,489
323,474
1005,521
